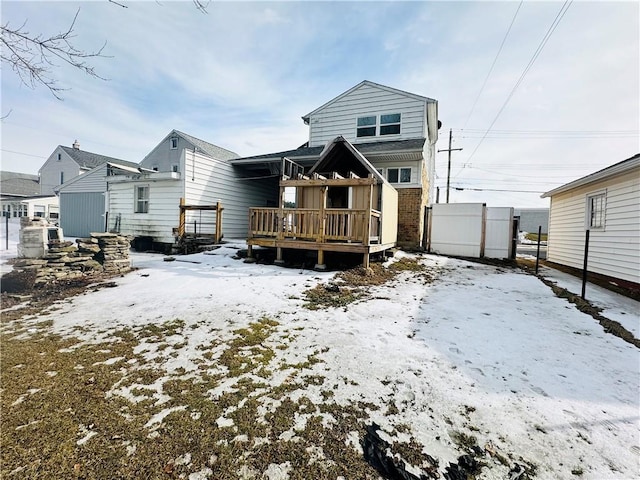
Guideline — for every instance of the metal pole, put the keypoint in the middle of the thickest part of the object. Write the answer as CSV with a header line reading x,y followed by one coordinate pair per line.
x,y
538,251
7,233
584,268
449,165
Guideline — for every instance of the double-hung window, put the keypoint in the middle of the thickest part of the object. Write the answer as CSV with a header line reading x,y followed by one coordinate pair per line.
x,y
378,125
399,175
367,126
390,124
142,199
595,211
173,143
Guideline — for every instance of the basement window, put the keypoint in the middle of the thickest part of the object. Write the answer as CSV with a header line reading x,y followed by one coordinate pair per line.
x,y
595,211
399,175
142,199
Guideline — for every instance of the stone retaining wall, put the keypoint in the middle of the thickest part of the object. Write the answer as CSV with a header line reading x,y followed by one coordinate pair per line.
x,y
102,252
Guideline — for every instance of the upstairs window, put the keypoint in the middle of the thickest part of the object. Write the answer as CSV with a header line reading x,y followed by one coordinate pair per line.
x,y
59,156
173,143
399,175
367,126
61,178
142,199
390,124
174,168
595,211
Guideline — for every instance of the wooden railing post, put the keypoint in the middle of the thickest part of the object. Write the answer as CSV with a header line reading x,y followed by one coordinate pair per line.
x,y
219,221
367,228
323,216
281,222
181,222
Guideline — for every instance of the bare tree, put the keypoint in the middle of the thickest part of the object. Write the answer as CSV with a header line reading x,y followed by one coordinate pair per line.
x,y
33,57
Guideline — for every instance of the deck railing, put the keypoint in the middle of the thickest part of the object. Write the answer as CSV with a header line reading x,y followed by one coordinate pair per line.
x,y
340,224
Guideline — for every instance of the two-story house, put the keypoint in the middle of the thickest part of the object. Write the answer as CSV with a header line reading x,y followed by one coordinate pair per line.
x,y
395,131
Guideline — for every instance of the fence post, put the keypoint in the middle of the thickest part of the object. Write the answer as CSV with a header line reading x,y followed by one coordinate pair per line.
x,y
538,250
584,267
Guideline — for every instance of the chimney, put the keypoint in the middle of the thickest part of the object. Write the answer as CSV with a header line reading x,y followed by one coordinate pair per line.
x,y
76,145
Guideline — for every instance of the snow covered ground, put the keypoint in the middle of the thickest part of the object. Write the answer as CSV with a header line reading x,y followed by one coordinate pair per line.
x,y
483,350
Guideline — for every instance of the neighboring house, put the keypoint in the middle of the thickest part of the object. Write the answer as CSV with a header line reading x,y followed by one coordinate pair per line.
x,y
20,197
343,204
84,199
530,219
396,131
66,163
607,203
184,170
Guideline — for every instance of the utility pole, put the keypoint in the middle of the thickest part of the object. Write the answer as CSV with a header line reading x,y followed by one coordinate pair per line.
x,y
449,164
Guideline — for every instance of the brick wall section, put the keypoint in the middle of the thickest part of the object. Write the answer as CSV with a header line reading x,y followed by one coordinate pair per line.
x,y
410,207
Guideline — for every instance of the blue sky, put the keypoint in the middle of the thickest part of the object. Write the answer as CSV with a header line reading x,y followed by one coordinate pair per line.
x,y
242,75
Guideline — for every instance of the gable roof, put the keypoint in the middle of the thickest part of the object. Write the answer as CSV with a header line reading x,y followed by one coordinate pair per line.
x,y
332,159
88,160
615,169
370,84
208,148
121,164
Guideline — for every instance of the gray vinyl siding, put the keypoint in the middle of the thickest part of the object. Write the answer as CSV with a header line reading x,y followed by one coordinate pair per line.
x,y
340,117
217,180
93,181
163,156
82,213
50,171
613,251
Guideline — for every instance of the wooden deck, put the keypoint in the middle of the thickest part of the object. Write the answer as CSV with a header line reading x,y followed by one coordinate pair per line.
x,y
328,229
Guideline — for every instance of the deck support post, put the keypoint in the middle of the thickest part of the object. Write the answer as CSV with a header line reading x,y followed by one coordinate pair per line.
x,y
320,265
279,260
365,260
249,251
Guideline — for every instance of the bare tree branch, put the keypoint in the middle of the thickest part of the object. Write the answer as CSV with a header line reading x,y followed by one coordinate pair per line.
x,y
119,4
202,5
32,57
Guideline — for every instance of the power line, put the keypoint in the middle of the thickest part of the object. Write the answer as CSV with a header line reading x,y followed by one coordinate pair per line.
x,y
22,153
493,64
536,54
496,190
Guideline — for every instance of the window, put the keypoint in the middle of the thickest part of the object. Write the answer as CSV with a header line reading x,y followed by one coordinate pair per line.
x,y
174,168
366,127
142,199
173,143
399,175
59,156
390,124
61,178
154,168
595,211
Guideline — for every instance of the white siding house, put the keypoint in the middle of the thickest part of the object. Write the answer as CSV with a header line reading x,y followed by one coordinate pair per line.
x,y
183,168
607,203
396,131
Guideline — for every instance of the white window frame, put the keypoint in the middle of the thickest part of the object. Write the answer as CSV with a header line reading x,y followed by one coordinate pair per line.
x,y
173,143
377,125
367,126
391,124
141,204
399,170
595,210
